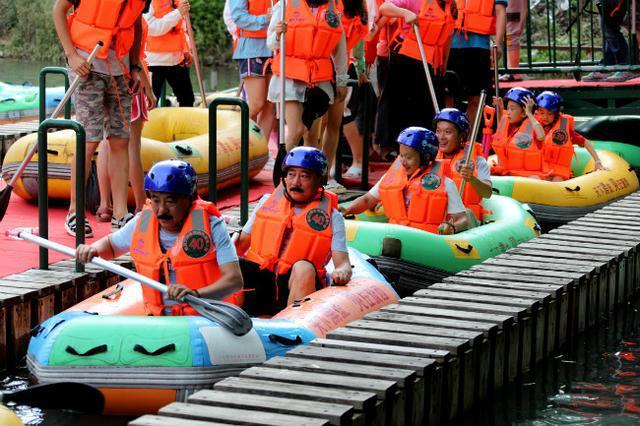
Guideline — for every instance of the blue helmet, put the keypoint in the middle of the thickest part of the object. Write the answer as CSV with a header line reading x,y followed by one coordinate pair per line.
x,y
550,100
308,158
175,176
455,116
519,95
422,140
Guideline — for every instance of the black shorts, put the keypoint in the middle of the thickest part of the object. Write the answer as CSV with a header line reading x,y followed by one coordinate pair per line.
x,y
265,293
316,104
473,69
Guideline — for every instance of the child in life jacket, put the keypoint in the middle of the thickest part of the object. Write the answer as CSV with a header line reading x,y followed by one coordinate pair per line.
x,y
560,136
517,141
415,191
452,130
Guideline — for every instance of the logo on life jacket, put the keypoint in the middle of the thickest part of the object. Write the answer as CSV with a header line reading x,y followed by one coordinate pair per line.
x,y
559,137
318,219
431,181
332,19
196,244
523,141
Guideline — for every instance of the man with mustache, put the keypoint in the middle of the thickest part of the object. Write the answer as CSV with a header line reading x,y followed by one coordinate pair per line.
x,y
178,239
291,235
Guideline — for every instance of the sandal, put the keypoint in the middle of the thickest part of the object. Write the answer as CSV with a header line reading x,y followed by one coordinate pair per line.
x,y
104,214
353,173
119,223
70,226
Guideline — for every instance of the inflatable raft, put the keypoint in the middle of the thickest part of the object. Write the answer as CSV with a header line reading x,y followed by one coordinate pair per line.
x,y
142,363
170,133
413,258
20,102
589,190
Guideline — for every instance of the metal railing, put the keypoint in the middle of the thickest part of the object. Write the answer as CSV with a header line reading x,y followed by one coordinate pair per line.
x,y
571,40
43,183
43,91
244,152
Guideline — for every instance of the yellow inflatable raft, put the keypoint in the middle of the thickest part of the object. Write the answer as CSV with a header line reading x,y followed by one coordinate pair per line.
x,y
169,133
589,190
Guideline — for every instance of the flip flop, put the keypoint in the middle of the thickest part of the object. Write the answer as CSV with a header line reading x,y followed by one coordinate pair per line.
x,y
104,214
353,173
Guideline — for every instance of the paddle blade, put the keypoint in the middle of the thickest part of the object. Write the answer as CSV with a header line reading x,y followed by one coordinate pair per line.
x,y
5,196
64,395
231,317
277,165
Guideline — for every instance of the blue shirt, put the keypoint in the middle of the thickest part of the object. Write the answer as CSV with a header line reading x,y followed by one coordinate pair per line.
x,y
468,40
249,47
225,250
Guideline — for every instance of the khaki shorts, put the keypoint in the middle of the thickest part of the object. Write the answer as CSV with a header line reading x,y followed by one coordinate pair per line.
x,y
103,102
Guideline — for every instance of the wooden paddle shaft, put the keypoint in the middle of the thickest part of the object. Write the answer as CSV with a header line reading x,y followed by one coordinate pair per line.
x,y
425,65
74,85
474,135
196,61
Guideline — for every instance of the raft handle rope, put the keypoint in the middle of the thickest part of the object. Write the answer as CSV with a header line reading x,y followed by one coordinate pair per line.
x,y
114,294
171,347
93,351
285,340
466,250
576,189
227,315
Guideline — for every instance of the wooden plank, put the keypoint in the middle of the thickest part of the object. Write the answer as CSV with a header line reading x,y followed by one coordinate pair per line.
x,y
434,382
396,409
336,414
480,274
64,284
234,416
422,367
153,420
361,401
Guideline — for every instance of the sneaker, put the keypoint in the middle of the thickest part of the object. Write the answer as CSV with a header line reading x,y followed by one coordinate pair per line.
x,y
70,226
333,186
595,76
119,223
620,76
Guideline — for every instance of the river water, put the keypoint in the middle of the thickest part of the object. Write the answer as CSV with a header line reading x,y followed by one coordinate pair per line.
x,y
20,72
596,383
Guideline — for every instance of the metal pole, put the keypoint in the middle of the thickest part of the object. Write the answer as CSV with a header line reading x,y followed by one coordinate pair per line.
x,y
367,118
474,135
43,91
425,64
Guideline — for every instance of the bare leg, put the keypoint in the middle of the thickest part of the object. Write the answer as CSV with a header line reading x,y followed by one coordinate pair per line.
x,y
266,116
104,183
295,127
119,174
513,60
302,281
355,141
136,174
332,131
313,136
256,95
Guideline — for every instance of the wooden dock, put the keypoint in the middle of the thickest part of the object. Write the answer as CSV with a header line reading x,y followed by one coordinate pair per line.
x,y
434,355
9,133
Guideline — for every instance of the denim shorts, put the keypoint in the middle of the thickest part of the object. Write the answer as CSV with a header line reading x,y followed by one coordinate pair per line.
x,y
253,67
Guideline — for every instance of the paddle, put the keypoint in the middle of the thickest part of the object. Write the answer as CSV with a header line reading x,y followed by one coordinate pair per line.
x,y
491,114
227,315
425,64
282,149
196,61
5,194
63,395
474,135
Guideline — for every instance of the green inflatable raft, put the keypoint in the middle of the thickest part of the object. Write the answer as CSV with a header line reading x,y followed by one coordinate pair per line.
x,y
413,259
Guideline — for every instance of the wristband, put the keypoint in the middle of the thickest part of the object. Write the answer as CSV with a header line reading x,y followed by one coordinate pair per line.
x,y
135,67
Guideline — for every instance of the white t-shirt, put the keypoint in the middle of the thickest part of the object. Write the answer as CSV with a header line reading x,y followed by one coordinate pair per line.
x,y
454,202
158,27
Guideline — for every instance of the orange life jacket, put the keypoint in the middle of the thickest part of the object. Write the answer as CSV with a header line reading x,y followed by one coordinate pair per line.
x,y
355,29
109,21
470,198
173,40
436,26
428,204
518,154
193,257
310,40
557,149
257,8
308,233
476,16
